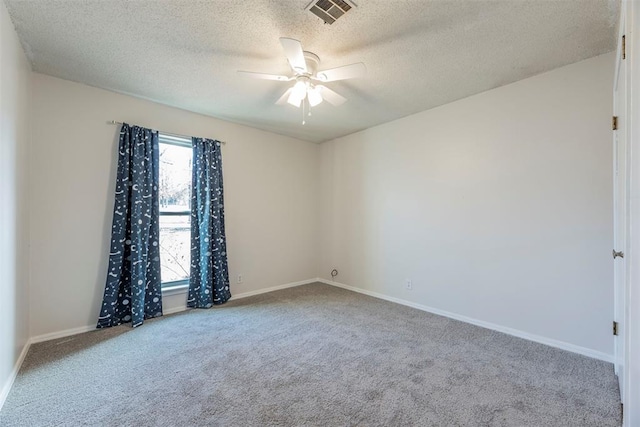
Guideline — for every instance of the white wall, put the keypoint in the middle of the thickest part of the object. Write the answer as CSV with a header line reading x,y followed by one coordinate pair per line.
x,y
14,231
271,185
497,207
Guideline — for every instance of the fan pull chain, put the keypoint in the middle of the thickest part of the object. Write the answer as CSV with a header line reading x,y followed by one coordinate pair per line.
x,y
303,104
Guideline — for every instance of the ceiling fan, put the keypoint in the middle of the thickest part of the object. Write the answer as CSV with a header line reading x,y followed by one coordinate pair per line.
x,y
308,80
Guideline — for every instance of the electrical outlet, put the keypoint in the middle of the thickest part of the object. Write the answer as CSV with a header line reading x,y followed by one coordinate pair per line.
x,y
408,284
239,278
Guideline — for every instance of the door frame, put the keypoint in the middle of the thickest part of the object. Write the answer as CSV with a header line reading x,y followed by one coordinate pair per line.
x,y
620,202
630,16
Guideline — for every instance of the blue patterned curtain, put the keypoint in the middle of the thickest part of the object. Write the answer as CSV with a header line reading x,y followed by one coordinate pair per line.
x,y
133,289
209,281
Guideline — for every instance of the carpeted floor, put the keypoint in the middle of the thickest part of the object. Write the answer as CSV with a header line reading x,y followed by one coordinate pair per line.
x,y
314,355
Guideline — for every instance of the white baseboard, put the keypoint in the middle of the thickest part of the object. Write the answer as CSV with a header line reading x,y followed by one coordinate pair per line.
x,y
61,334
6,388
274,288
250,293
510,331
82,329
506,330
174,310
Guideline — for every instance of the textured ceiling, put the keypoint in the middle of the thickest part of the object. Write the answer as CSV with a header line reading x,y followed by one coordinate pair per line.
x,y
419,53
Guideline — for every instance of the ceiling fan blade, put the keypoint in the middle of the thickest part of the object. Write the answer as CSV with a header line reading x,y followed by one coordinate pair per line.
x,y
331,97
284,97
293,51
342,73
265,76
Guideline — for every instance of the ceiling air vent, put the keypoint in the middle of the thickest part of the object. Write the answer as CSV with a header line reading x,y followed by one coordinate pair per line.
x,y
329,10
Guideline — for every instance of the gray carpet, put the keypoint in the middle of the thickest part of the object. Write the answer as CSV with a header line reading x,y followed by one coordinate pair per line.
x,y
308,356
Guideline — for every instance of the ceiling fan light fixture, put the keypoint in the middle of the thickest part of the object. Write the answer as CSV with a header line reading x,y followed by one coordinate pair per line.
x,y
315,97
298,93
299,90
294,101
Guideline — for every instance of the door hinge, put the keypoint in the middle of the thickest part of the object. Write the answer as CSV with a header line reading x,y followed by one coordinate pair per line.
x,y
615,328
624,48
614,123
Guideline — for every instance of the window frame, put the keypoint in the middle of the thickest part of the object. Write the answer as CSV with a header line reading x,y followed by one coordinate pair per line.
x,y
174,286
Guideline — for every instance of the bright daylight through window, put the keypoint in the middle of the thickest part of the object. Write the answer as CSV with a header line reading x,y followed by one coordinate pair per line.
x,y
175,211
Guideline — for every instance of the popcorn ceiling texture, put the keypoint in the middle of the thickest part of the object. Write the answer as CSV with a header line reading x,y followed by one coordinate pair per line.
x,y
419,54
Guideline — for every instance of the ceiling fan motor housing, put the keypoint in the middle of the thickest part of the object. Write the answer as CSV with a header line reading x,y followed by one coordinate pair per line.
x,y
312,60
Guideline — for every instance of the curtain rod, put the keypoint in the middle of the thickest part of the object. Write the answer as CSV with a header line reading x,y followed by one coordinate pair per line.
x,y
175,135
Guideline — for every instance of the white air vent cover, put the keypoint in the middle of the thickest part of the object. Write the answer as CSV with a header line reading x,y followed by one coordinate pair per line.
x,y
329,10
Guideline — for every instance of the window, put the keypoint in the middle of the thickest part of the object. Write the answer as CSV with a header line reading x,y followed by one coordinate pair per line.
x,y
176,158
